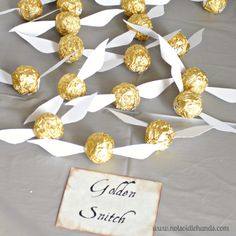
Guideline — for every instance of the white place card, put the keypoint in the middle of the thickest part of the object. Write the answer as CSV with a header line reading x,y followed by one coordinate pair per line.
x,y
107,204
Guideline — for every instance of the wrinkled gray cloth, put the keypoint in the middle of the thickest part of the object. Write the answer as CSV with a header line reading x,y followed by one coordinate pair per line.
x,y
198,174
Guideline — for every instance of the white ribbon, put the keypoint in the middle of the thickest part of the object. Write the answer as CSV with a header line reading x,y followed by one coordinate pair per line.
x,y
94,61
52,106
16,136
79,111
34,28
58,148
8,11
101,18
5,77
40,44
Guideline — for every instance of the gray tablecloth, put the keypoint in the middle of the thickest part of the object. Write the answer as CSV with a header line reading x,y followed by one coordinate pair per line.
x,y
198,174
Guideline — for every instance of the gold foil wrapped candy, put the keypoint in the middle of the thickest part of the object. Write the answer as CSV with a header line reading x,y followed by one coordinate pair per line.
x,y
68,44
159,132
133,6
137,58
127,96
180,44
25,80
30,9
214,6
188,104
70,87
98,147
195,80
142,20
73,6
67,23
48,126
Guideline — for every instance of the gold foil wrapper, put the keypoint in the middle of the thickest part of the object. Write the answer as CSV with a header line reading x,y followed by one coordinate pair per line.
x,y
127,96
159,132
68,44
195,80
48,126
25,80
142,20
131,7
70,87
73,6
98,147
180,44
30,9
188,104
67,23
137,58
214,6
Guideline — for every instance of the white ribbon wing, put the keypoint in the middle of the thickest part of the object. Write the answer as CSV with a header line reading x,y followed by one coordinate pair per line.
x,y
112,63
108,2
177,76
169,55
143,30
167,37
40,44
108,55
34,28
58,64
121,40
5,77
8,11
58,148
226,94
193,131
87,52
101,18
101,101
153,89
76,101
156,12
196,38
79,111
128,119
16,136
157,2
94,61
217,124
45,15
52,106
139,151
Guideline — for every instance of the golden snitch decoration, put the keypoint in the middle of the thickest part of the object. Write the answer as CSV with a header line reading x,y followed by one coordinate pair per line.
x,y
26,79
69,44
213,6
29,9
